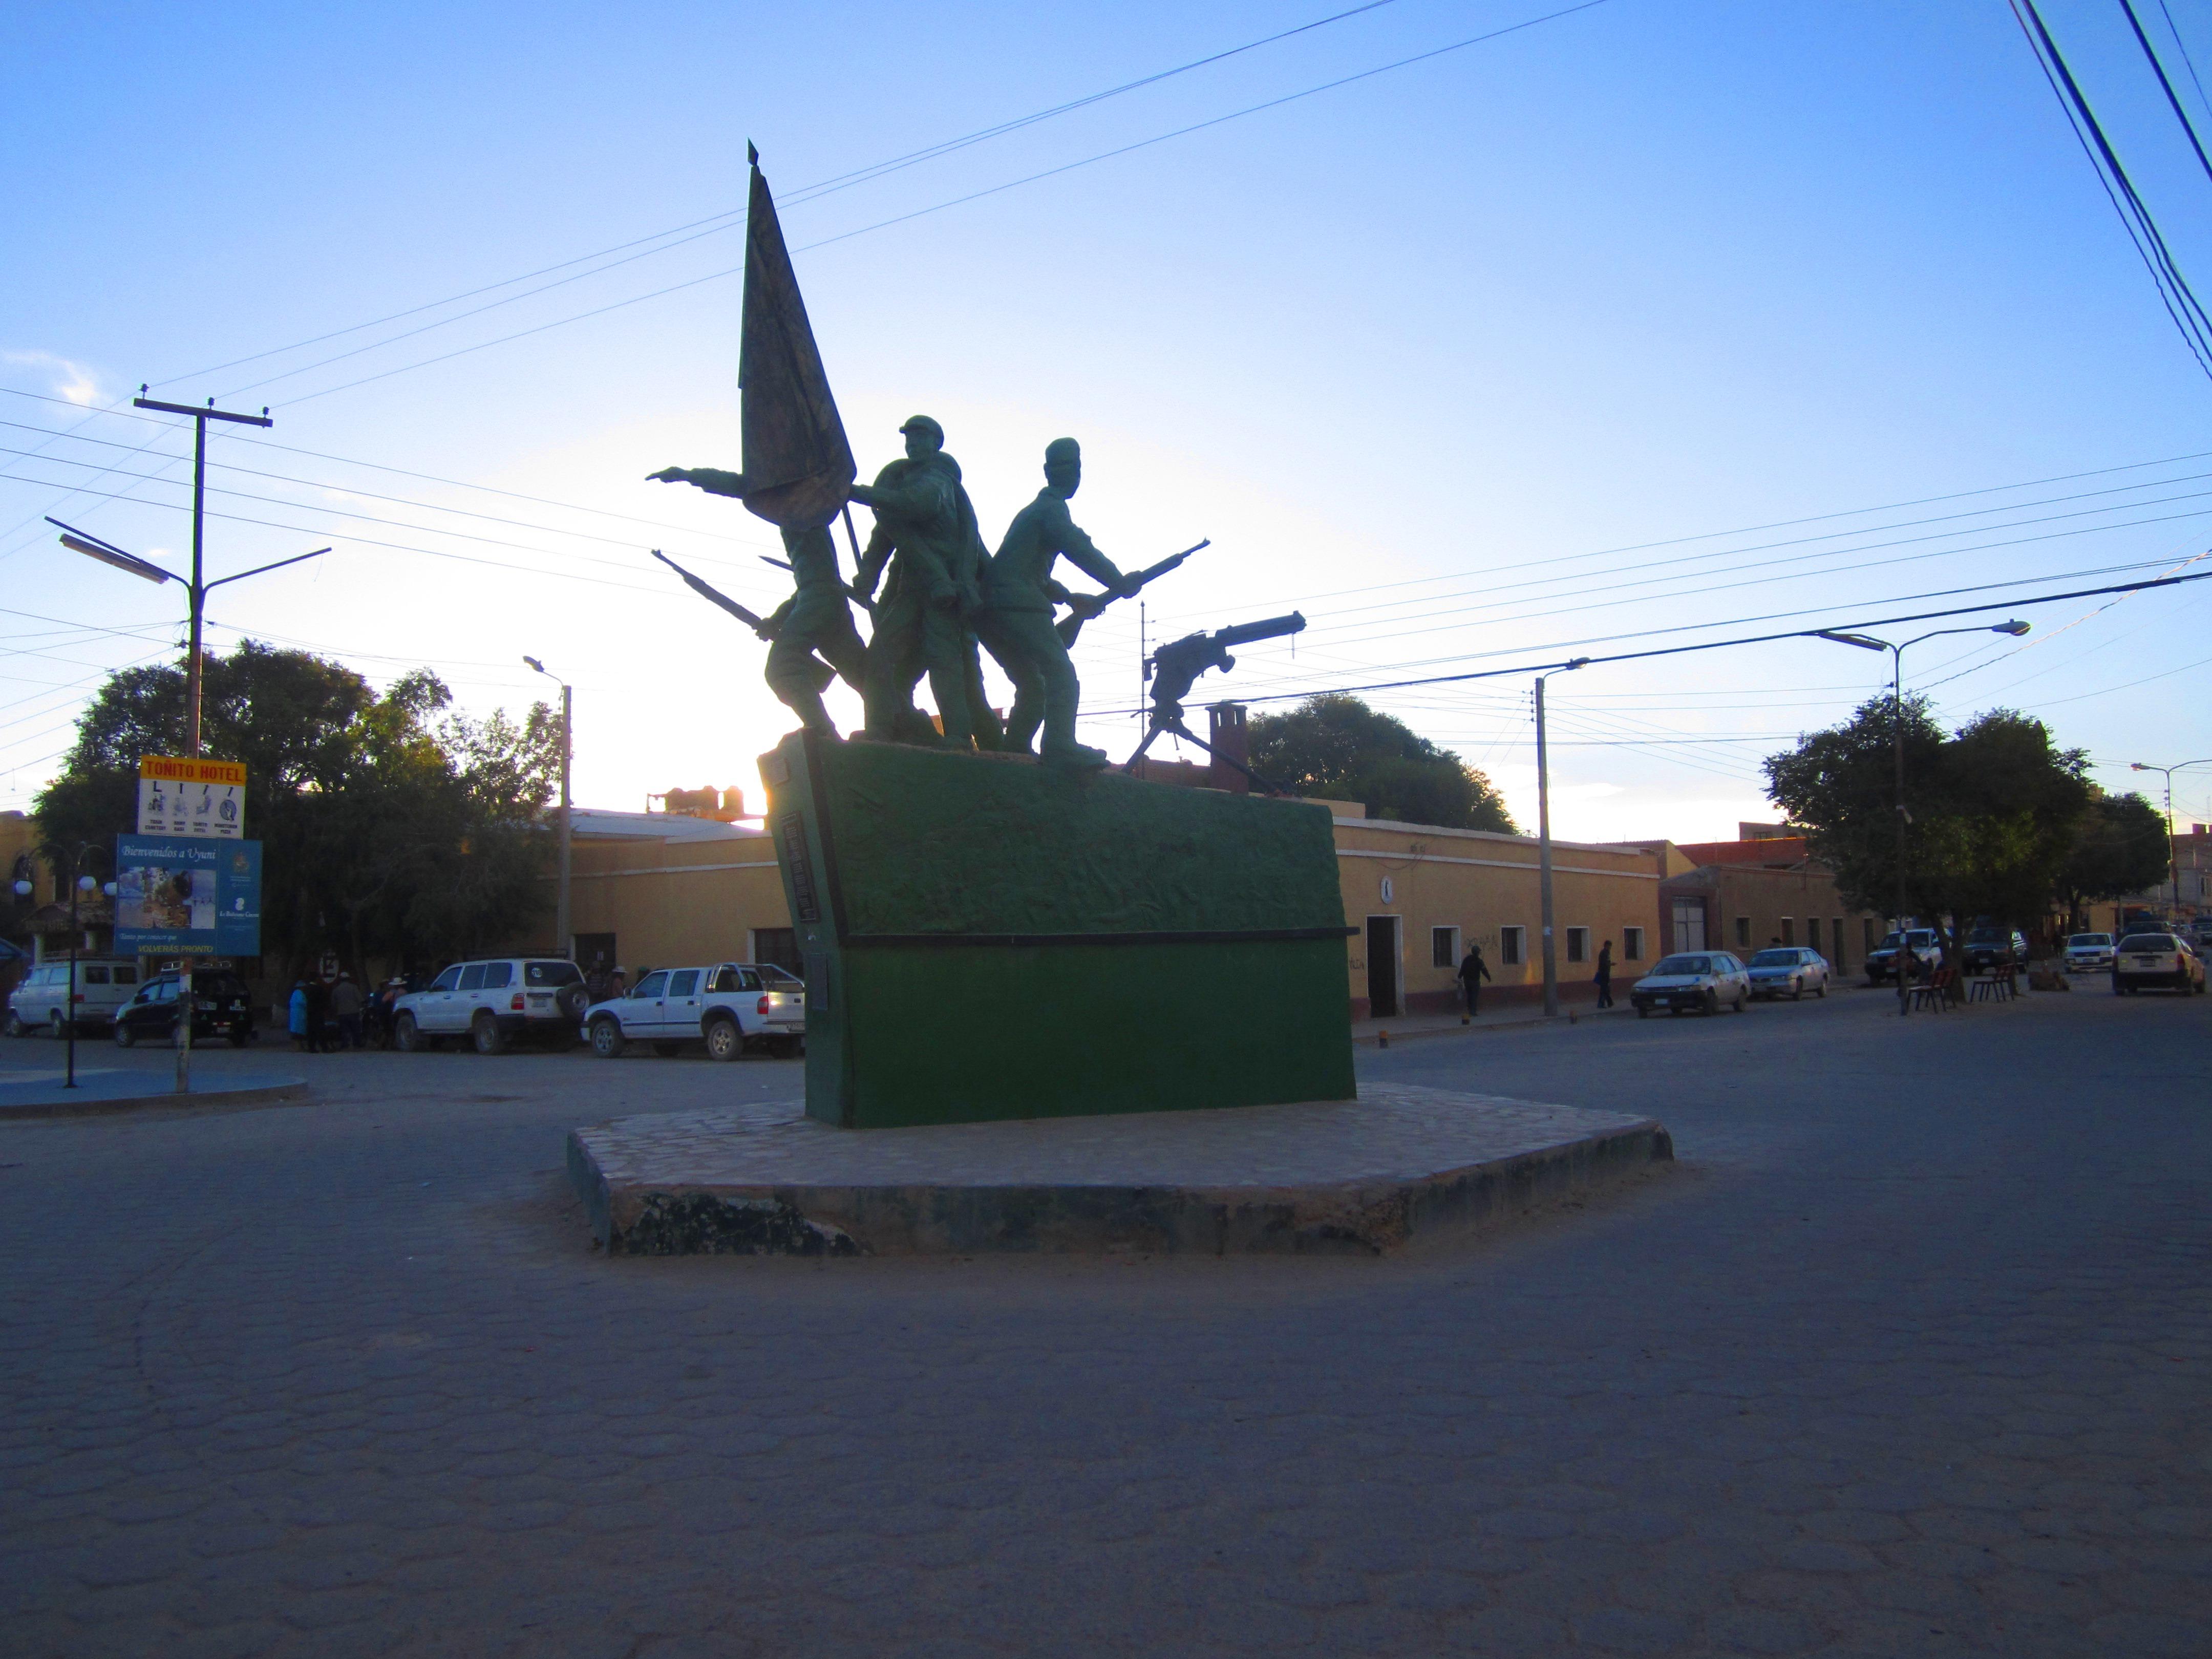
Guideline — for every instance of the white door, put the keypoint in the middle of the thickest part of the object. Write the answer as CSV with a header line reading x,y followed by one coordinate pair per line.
x,y
682,1008
432,1006
497,992
642,1011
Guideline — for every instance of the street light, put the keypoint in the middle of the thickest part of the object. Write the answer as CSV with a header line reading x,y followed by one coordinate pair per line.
x,y
561,912
1544,845
2172,864
1867,643
78,883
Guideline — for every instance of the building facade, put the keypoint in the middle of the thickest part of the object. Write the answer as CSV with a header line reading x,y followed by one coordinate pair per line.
x,y
1744,896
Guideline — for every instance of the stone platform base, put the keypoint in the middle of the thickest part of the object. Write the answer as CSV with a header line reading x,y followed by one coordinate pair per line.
x,y
1399,1166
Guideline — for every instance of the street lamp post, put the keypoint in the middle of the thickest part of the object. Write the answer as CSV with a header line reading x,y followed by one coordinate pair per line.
x,y
78,883
2172,864
1544,846
1867,643
563,920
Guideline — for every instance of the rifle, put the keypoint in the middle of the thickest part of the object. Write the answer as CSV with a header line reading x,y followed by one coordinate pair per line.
x,y
756,623
851,592
1082,607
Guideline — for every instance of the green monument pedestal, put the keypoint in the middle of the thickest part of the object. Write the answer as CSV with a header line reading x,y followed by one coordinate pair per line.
x,y
988,938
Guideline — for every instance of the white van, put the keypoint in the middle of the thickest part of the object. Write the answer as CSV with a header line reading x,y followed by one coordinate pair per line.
x,y
42,1001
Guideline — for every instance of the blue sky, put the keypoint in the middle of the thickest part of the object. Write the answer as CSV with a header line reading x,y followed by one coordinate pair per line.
x,y
1415,352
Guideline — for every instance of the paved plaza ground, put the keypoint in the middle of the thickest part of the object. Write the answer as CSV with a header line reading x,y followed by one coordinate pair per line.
x,y
1909,1355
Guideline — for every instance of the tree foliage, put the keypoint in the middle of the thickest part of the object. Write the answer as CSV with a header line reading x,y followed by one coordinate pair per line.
x,y
2120,847
390,826
1995,809
1334,746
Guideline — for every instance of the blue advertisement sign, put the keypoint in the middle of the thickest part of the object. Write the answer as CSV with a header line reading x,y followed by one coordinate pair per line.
x,y
187,896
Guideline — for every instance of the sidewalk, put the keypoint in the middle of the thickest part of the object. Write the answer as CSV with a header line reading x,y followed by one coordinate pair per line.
x,y
1511,1017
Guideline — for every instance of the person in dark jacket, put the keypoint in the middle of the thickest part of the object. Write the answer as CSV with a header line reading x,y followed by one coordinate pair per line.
x,y
1605,975
1472,972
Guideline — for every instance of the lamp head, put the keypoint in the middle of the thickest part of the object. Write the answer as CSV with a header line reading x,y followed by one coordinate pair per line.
x,y
2015,627
23,890
535,664
1859,640
108,888
2137,766
86,884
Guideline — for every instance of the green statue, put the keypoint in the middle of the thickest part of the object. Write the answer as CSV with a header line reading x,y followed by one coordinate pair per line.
x,y
925,532
813,627
1016,623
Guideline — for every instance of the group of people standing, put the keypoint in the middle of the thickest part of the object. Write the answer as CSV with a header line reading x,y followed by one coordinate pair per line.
x,y
1472,970
325,1015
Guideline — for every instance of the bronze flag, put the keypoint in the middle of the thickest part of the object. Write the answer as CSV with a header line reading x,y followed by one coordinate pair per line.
x,y
797,462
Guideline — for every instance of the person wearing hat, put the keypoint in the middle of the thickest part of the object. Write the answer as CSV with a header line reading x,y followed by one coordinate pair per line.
x,y
1016,622
926,533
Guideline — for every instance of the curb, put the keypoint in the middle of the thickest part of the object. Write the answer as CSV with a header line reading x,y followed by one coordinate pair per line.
x,y
269,1094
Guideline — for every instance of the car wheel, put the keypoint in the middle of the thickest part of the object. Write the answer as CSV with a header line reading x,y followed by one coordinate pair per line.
x,y
125,1037
484,1033
1797,990
723,1040
606,1039
1712,1004
1644,1013
666,1050
16,1026
57,1024
1821,990
407,1036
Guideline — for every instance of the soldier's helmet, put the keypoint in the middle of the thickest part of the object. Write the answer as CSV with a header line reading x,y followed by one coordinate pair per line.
x,y
1063,452
923,424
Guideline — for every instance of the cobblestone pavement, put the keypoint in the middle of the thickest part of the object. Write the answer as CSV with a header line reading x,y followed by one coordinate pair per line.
x,y
1910,1354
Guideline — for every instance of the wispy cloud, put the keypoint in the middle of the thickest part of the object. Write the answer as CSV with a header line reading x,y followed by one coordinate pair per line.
x,y
72,381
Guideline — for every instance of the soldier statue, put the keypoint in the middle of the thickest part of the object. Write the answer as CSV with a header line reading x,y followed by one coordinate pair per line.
x,y
1016,624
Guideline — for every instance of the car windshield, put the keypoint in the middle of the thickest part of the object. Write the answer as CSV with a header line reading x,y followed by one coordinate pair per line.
x,y
1988,936
1685,965
2077,940
1775,959
2148,942
1891,941
551,973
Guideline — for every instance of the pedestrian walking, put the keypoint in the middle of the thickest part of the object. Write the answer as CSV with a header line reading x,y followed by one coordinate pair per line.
x,y
1605,975
1472,972
346,1003
295,1012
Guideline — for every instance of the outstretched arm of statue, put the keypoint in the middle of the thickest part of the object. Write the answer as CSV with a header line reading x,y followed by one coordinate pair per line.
x,y
926,498
712,479
1084,557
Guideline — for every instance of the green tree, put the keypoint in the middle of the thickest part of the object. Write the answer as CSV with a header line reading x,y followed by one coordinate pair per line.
x,y
1993,811
389,825
1334,746
2119,849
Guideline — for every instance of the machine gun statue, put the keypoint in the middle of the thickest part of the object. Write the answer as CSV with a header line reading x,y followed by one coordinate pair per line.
x,y
1175,668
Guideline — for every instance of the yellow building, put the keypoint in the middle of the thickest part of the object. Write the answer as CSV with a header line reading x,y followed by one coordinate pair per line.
x,y
653,889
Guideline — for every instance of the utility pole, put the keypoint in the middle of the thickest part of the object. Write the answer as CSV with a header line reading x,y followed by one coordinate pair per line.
x,y
565,939
79,541
2173,863
1544,847
199,590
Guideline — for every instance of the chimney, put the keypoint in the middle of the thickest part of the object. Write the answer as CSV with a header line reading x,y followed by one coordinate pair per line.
x,y
1226,732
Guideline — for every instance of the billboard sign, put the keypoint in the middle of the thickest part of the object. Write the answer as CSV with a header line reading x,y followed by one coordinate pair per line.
x,y
187,896
180,797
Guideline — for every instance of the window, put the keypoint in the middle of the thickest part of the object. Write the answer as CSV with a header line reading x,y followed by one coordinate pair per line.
x,y
1836,939
1689,919
652,985
126,975
498,976
448,979
1867,924
1743,930
685,984
778,945
1443,947
1812,932
1577,945
1631,944
94,974
472,977
1509,941
550,973
1789,931
749,979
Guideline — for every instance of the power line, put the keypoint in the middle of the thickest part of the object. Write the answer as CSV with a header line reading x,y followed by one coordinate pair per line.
x,y
2188,127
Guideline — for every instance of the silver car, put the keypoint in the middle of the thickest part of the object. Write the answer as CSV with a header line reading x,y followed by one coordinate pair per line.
x,y
1707,980
1785,971
2088,953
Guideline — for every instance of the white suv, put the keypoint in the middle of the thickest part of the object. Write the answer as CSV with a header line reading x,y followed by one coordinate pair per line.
x,y
492,1003
42,1001
731,1006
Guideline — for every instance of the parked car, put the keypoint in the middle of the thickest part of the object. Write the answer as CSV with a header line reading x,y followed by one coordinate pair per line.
x,y
731,1006
222,1007
1789,971
1704,979
1882,961
2087,953
538,999
1990,949
2156,959
41,1001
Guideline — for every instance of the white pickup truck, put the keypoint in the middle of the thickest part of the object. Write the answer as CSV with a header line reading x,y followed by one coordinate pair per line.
x,y
731,1006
